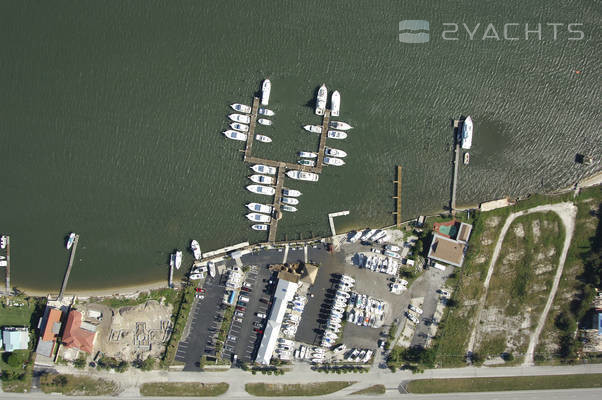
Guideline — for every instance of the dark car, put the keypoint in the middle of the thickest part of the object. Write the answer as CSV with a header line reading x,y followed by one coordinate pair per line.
x,y
245,289
264,300
241,308
257,324
241,303
258,330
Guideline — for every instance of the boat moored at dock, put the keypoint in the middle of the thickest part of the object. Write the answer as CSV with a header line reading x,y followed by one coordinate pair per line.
x,y
239,127
307,154
260,189
264,121
176,259
291,192
303,176
466,158
333,161
241,108
259,227
466,134
335,103
70,240
313,128
337,135
335,152
257,217
321,99
235,135
241,118
258,207
196,249
266,112
286,207
264,169
263,179
307,163
290,200
263,138
266,87
340,125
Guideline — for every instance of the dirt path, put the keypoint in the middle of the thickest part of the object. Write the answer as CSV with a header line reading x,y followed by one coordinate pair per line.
x,y
567,213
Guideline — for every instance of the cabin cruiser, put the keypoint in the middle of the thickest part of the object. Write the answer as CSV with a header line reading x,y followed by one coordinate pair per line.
x,y
291,192
266,112
288,208
239,127
307,163
264,169
257,217
176,259
241,108
466,158
264,121
235,135
335,103
307,154
263,138
303,176
259,227
321,99
337,135
313,128
263,179
212,270
266,87
340,125
335,152
260,189
333,161
466,134
243,119
196,249
69,241
262,208
290,200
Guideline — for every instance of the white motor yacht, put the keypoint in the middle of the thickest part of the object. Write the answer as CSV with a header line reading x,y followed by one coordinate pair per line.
x,y
335,152
264,169
266,112
196,249
291,192
466,134
302,176
259,227
260,189
177,257
263,138
263,179
235,135
337,135
307,154
290,200
243,119
258,207
257,217
69,241
335,103
307,163
266,87
264,121
288,208
239,127
333,161
321,99
313,128
340,125
241,108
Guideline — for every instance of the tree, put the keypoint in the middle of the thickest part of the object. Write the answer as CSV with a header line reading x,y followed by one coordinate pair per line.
x,y
80,363
17,358
148,364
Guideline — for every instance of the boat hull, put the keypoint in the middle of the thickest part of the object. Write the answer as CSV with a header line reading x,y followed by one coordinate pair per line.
x,y
266,88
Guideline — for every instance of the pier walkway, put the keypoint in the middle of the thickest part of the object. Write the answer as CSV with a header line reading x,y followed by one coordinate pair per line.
x,y
8,265
397,198
71,260
276,213
331,217
455,179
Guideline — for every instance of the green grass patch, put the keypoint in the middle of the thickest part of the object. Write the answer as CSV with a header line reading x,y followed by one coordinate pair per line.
x,y
77,385
547,382
224,328
295,389
374,390
170,296
183,389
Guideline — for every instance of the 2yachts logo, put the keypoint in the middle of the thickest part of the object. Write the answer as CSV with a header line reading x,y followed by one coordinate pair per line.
x,y
418,31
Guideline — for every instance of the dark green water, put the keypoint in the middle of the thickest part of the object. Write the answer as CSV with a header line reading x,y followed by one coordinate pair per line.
x,y
111,113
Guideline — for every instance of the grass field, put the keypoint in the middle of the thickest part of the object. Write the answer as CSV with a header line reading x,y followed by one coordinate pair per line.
x,y
72,385
17,316
183,389
297,389
374,389
504,384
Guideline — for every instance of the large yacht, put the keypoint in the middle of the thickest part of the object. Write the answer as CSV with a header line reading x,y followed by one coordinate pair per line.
x,y
265,92
335,103
467,133
264,169
196,249
260,189
321,99
302,176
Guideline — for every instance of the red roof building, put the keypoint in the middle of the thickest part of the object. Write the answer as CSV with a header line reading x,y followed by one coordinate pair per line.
x,y
78,334
53,325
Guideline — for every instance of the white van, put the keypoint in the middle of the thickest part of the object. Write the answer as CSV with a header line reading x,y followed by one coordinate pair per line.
x,y
243,298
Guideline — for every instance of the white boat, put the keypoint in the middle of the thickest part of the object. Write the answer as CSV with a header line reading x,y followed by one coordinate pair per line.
x,y
335,103
290,200
235,135
260,189
264,169
259,227
257,217
243,119
263,179
302,176
262,208
337,135
266,112
239,127
288,208
340,125
313,128
69,241
263,138
264,121
466,158
307,154
291,192
466,134
321,99
335,152
177,259
307,163
241,108
333,161
211,269
196,277
266,87
196,249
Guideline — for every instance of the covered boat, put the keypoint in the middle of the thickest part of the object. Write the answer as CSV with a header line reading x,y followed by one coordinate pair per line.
x,y
340,125
257,217
337,135
258,207
243,119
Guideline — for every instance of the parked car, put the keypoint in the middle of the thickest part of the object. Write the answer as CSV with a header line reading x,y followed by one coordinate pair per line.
x,y
247,285
232,338
239,314
261,315
199,290
444,292
241,308
258,330
244,299
417,310
245,289
412,318
238,319
257,324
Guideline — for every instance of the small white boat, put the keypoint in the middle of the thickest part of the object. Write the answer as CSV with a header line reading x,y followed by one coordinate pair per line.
x,y
264,121
243,119
288,208
290,200
257,217
260,189
333,161
313,128
196,277
307,163
263,179
337,135
212,270
266,112
264,169
177,259
263,138
335,103
340,125
303,176
307,154
321,99
466,158
242,108
335,152
235,135
266,87
259,227
69,241
291,192
239,127
196,249
262,208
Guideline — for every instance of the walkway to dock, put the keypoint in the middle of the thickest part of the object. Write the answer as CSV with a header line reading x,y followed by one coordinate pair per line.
x,y
455,179
276,213
331,220
397,198
8,265
71,259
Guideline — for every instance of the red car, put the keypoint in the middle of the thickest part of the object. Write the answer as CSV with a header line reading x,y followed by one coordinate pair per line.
x,y
258,330
199,290
241,308
245,289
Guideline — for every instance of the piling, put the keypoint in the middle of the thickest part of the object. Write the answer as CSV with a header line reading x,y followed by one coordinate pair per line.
x,y
69,266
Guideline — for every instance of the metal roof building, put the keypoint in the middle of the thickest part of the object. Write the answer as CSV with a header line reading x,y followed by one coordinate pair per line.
x,y
15,338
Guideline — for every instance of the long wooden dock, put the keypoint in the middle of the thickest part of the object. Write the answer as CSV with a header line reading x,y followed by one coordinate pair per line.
x,y
71,260
8,265
452,204
322,145
276,212
397,198
252,125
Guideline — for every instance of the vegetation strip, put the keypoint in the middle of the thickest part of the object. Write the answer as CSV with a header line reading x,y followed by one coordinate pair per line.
x,y
296,389
192,389
77,385
374,389
505,383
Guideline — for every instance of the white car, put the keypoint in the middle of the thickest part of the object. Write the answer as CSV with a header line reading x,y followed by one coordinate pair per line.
x,y
412,318
417,310
444,292
261,315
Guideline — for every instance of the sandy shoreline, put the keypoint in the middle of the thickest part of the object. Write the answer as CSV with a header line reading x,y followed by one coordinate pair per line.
x,y
126,291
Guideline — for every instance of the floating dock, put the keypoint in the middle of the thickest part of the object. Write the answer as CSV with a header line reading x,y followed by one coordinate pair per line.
x,y
397,198
69,266
276,213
